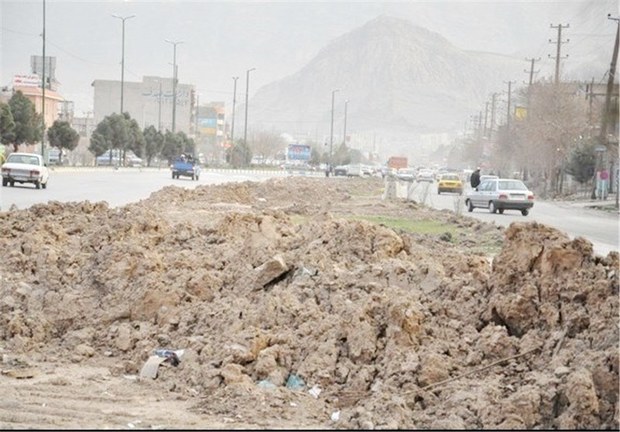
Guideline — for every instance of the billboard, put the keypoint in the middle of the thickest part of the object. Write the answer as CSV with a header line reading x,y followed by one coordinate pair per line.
x,y
26,81
299,152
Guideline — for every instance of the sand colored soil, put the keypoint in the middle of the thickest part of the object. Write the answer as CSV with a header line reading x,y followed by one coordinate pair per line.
x,y
300,304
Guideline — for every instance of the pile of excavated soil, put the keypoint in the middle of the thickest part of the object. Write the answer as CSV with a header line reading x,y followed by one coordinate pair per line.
x,y
275,283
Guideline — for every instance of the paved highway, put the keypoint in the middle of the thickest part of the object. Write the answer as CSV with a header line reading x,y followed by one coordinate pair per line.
x,y
598,226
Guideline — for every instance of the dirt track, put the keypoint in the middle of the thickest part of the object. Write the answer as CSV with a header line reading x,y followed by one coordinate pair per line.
x,y
301,278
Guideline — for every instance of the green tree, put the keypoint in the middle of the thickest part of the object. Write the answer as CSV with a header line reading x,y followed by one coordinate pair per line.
x,y
582,163
173,146
62,136
7,124
28,125
153,143
135,141
113,132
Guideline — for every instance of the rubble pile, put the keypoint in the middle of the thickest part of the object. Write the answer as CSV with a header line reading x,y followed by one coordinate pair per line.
x,y
282,299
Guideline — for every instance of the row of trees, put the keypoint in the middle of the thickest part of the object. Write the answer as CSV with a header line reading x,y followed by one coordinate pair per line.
x,y
21,124
556,134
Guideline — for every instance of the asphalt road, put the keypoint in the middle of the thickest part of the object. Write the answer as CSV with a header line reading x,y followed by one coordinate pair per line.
x,y
122,186
575,219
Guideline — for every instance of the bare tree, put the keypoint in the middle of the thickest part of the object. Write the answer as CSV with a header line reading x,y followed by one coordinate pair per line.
x,y
541,143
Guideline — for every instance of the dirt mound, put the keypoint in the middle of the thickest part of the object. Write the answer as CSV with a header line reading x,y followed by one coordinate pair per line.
x,y
274,290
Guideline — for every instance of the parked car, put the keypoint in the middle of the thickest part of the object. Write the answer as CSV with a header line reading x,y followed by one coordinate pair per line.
x,y
340,170
500,194
450,182
131,160
25,168
405,174
425,175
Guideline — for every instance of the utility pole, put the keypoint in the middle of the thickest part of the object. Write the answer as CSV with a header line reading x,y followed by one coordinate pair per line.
x,y
610,87
247,89
558,43
492,114
486,116
344,134
331,132
43,91
531,71
174,82
232,123
508,106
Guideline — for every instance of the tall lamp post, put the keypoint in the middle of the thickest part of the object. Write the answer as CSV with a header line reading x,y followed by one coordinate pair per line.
x,y
247,88
123,19
232,123
331,133
43,89
344,133
174,82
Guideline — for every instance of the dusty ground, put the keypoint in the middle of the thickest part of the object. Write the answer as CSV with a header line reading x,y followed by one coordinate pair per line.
x,y
388,314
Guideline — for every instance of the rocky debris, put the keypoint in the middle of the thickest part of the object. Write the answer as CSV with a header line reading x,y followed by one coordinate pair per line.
x,y
259,282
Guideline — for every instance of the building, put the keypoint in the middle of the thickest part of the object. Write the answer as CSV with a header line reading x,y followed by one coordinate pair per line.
x,y
210,130
148,102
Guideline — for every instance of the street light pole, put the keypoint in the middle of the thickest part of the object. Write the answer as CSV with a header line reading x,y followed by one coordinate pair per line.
x,y
123,19
247,87
174,82
331,133
232,124
159,110
344,134
43,90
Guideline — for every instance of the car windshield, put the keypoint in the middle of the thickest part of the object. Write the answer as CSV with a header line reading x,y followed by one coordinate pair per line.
x,y
450,177
21,159
512,185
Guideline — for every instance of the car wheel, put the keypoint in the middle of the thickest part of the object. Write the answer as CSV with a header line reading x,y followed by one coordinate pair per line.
x,y
44,185
438,192
501,211
172,175
5,181
470,206
492,208
525,212
12,183
37,184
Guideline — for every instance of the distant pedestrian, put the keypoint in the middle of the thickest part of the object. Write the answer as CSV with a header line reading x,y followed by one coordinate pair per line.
x,y
475,178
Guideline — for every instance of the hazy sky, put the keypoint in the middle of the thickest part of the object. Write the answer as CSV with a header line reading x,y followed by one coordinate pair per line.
x,y
224,39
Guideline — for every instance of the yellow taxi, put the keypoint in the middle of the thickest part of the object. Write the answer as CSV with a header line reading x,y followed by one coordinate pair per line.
x,y
450,182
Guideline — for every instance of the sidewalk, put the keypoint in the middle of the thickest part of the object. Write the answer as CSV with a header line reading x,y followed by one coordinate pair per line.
x,y
607,205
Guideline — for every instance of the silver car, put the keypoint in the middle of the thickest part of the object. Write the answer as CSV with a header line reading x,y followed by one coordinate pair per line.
x,y
500,194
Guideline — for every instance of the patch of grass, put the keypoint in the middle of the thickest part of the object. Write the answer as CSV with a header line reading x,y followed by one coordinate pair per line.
x,y
424,226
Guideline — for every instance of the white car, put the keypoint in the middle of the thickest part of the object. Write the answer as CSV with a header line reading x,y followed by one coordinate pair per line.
x,y
25,168
425,175
497,195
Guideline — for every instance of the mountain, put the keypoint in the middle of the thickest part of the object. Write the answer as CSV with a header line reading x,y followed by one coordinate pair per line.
x,y
400,80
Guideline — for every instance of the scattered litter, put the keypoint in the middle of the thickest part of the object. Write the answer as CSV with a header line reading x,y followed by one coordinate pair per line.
x,y
151,367
266,384
294,382
315,391
335,416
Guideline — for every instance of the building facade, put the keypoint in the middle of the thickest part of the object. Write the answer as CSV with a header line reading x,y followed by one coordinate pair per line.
x,y
148,102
